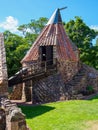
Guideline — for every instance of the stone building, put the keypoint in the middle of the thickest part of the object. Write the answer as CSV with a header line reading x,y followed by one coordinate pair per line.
x,y
52,70
53,46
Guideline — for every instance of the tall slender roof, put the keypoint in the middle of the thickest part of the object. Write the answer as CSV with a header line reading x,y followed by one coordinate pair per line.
x,y
55,18
53,34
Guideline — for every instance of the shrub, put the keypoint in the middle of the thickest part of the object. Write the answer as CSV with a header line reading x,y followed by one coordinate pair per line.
x,y
89,88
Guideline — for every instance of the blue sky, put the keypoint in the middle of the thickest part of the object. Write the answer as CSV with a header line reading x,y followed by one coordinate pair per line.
x,y
16,12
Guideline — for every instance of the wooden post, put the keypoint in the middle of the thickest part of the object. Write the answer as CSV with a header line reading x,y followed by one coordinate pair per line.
x,y
33,68
23,93
45,66
56,64
31,91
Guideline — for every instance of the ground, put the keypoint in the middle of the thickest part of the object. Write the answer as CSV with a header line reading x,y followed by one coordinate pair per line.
x,y
68,115
92,125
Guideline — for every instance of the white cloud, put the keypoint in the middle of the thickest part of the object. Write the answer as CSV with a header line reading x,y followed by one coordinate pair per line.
x,y
10,24
95,27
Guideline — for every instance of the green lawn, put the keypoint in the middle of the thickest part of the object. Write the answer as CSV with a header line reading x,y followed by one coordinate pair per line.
x,y
69,115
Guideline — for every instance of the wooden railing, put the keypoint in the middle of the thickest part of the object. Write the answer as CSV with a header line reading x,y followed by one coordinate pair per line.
x,y
39,67
33,70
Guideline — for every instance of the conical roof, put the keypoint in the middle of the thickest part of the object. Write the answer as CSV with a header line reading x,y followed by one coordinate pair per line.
x,y
55,18
53,34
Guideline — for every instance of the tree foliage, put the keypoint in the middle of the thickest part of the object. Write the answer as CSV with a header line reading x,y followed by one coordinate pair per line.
x,y
82,36
32,29
16,47
97,42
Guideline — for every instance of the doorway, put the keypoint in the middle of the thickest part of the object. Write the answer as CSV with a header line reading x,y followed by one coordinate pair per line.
x,y
46,54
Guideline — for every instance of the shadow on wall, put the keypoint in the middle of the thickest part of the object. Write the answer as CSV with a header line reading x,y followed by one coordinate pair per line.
x,y
33,111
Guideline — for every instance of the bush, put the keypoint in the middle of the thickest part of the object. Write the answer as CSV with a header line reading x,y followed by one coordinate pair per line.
x,y
89,90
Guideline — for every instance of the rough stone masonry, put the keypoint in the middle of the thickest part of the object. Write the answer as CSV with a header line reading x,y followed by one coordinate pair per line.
x,y
11,117
3,69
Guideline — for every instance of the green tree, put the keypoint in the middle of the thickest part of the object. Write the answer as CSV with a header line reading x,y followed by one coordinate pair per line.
x,y
80,33
16,47
31,30
36,26
97,42
23,28
82,36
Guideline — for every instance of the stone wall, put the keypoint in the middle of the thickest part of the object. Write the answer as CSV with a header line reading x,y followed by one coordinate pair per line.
x,y
16,94
53,88
92,77
21,92
15,119
48,89
86,77
68,69
2,119
4,88
77,84
28,91
3,68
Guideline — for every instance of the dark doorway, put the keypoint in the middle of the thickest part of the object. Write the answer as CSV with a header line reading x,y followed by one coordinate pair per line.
x,y
43,53
46,54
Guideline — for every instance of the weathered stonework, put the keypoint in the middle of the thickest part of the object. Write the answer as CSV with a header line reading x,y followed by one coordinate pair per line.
x,y
68,69
2,119
48,89
12,115
28,91
77,83
16,94
53,88
92,77
3,69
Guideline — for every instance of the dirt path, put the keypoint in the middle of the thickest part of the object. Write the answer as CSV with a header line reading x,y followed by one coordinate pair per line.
x,y
92,125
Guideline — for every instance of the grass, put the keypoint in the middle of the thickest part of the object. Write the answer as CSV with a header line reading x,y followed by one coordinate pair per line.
x,y
69,115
